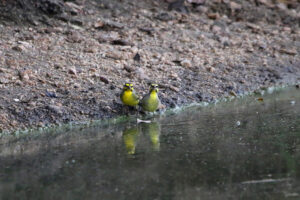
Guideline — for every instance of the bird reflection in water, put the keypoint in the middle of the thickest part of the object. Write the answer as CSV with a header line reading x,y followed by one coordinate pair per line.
x,y
130,137
153,131
149,130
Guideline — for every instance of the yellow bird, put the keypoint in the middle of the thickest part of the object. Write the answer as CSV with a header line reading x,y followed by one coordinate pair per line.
x,y
150,101
128,95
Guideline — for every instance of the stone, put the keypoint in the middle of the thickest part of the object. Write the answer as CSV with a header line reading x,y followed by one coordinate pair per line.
x,y
104,79
19,83
216,29
267,3
281,6
232,93
58,66
148,30
164,16
196,1
3,80
137,57
117,55
76,85
2,70
104,37
202,9
140,73
235,6
287,29
90,50
55,109
92,69
186,63
121,42
224,41
213,15
76,21
25,75
254,27
74,37
173,88
51,94
72,71
290,51
74,8
129,68
113,24
108,24
11,63
19,48
99,24
211,69
3,117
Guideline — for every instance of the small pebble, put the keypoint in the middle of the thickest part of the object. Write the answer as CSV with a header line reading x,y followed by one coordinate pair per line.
x,y
186,63
72,71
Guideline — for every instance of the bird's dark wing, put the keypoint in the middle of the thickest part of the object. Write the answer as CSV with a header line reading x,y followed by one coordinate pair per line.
x,y
121,94
135,96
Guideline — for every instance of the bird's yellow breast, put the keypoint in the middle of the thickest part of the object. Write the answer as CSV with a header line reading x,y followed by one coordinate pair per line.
x,y
128,98
153,102
153,97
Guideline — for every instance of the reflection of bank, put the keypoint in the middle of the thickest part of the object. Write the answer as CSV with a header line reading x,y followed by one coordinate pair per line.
x,y
131,135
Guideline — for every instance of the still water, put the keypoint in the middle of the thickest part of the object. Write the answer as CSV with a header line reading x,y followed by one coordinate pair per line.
x,y
247,148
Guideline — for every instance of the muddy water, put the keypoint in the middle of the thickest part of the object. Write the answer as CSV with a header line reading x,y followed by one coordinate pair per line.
x,y
243,149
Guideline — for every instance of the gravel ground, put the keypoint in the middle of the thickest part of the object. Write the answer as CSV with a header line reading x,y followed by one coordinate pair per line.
x,y
67,61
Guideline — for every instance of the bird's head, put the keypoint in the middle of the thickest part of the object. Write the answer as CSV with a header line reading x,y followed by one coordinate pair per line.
x,y
154,88
128,87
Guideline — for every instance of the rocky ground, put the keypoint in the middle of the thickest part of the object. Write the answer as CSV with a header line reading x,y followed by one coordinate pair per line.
x,y
63,61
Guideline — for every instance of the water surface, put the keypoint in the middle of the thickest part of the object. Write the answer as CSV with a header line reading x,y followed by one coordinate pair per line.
x,y
244,149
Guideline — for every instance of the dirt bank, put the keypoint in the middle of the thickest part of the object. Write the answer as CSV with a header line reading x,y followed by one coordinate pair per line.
x,y
67,61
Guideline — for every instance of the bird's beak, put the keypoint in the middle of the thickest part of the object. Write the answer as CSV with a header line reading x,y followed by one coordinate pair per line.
x,y
154,89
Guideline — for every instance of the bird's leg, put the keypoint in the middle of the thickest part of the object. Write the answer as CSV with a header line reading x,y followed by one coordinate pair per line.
x,y
137,111
125,110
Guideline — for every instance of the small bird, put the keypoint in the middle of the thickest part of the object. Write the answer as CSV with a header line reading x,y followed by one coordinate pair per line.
x,y
150,101
128,95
